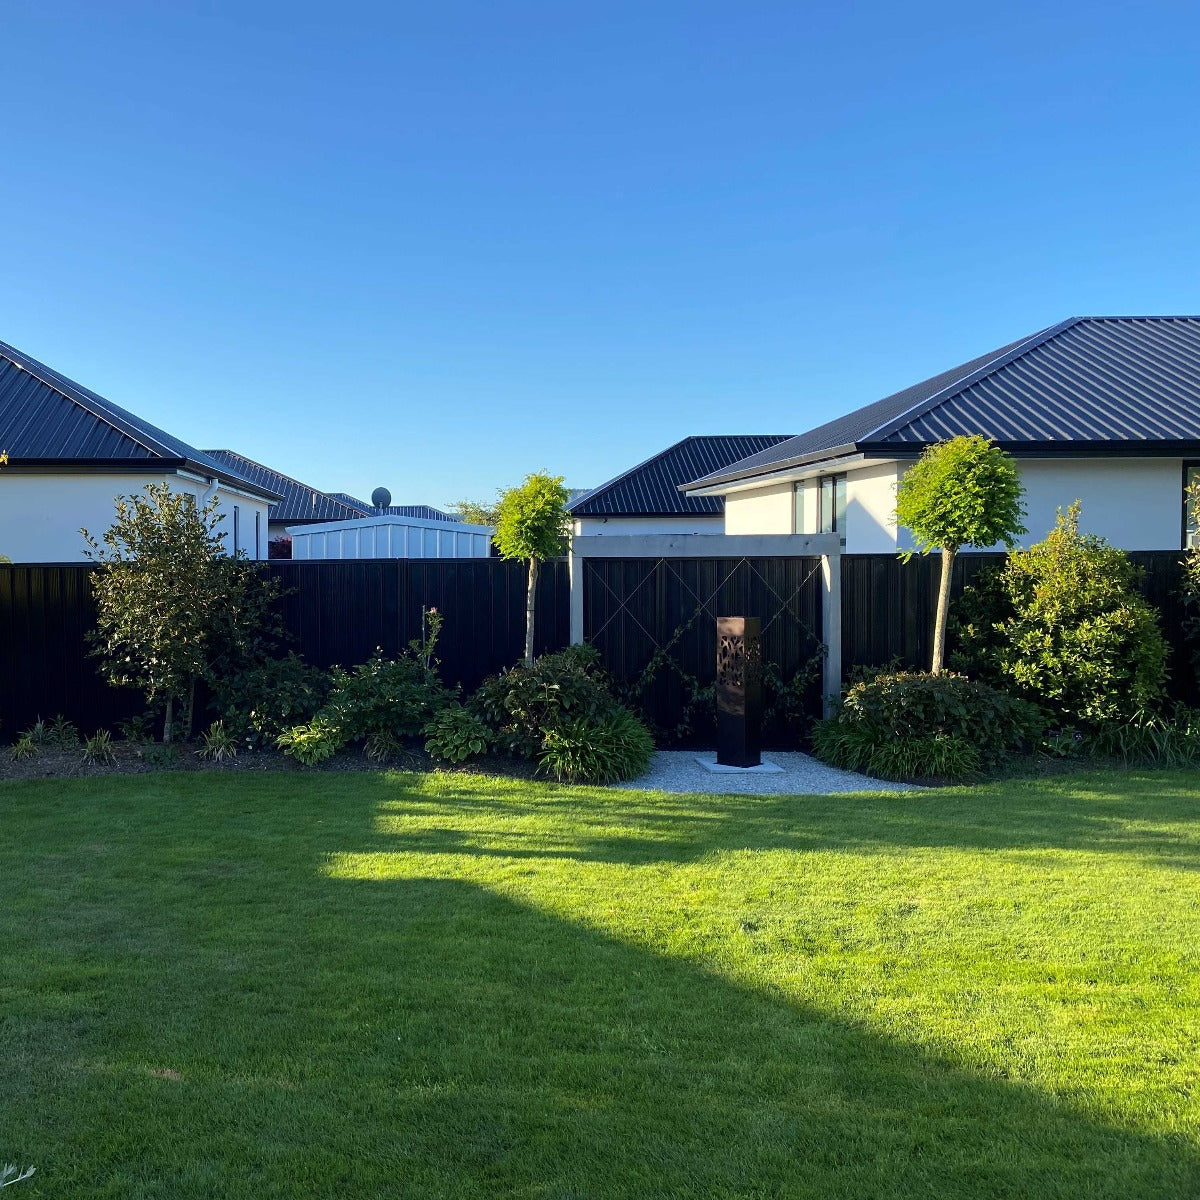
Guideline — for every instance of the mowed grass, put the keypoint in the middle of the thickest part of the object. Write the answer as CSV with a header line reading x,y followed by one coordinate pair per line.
x,y
293,985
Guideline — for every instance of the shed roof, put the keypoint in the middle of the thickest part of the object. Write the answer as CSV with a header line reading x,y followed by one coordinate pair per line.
x,y
48,419
651,489
1094,384
422,512
298,501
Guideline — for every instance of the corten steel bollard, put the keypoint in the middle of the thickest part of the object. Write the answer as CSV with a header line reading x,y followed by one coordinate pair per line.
x,y
739,692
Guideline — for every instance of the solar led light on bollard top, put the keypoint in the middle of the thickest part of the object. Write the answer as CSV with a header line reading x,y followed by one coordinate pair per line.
x,y
739,692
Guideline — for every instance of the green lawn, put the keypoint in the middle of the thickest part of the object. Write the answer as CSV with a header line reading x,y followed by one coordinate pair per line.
x,y
358,985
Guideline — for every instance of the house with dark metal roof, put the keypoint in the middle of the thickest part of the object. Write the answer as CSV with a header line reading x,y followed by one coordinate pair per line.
x,y
421,512
71,452
1104,410
298,503
647,498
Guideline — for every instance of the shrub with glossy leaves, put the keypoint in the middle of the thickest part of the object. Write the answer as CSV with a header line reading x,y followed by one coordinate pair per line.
x,y
606,748
914,726
266,698
384,697
456,735
311,744
1070,630
519,705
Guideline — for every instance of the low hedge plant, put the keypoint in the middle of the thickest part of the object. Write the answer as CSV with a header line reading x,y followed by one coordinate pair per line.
x,y
905,725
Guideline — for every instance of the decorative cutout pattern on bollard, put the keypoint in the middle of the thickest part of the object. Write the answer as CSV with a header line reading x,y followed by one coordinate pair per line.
x,y
739,692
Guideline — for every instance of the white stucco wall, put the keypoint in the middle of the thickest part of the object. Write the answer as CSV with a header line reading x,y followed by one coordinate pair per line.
x,y
1136,503
627,526
41,514
870,505
762,510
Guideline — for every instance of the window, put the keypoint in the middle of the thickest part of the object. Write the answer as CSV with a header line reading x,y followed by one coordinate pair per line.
x,y
832,505
798,525
257,534
237,527
1191,510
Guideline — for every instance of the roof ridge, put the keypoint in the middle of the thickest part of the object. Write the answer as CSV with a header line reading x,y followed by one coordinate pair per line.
x,y
604,487
271,470
99,408
601,488
922,407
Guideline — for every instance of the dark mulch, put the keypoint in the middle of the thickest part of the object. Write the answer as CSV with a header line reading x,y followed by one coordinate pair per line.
x,y
137,758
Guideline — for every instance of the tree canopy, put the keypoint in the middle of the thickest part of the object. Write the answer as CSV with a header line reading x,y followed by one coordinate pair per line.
x,y
531,524
961,492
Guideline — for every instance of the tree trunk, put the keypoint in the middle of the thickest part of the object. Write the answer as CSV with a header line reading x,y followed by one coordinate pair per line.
x,y
530,604
191,710
169,719
943,612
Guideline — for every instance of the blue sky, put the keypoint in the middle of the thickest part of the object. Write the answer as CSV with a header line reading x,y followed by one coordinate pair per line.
x,y
438,246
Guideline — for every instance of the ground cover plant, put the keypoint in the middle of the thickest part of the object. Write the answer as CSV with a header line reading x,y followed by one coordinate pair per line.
x,y
447,986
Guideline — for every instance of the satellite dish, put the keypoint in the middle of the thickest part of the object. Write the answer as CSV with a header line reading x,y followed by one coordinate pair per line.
x,y
381,497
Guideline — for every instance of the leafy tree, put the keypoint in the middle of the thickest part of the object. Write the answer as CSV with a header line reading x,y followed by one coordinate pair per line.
x,y
173,607
531,524
1078,637
474,512
962,492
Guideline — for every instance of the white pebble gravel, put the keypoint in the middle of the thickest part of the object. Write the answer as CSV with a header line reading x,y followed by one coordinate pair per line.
x,y
802,775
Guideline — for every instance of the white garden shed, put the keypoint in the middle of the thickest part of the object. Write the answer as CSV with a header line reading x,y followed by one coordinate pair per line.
x,y
389,536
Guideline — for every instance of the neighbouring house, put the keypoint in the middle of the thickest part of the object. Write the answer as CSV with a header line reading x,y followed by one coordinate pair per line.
x,y
71,453
298,503
1104,410
646,499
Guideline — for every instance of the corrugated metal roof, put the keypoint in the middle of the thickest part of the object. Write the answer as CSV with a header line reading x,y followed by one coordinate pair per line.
x,y
420,512
46,418
298,501
1106,383
651,489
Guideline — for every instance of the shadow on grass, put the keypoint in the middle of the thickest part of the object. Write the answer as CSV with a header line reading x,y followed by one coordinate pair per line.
x,y
553,1061
198,1005
1130,815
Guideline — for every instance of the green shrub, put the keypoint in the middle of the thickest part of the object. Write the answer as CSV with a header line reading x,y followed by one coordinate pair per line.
x,y
217,743
99,748
138,729
384,697
521,704
261,701
916,726
312,743
455,735
25,747
1151,739
159,755
604,748
38,733
946,756
62,733
1070,630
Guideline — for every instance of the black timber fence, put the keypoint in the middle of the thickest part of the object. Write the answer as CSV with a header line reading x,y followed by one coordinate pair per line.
x,y
335,611
888,608
654,622
634,610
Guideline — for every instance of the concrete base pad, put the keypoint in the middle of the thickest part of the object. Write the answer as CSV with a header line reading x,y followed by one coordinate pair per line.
x,y
709,763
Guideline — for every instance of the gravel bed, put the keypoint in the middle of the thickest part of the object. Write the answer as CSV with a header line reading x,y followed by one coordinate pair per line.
x,y
802,775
